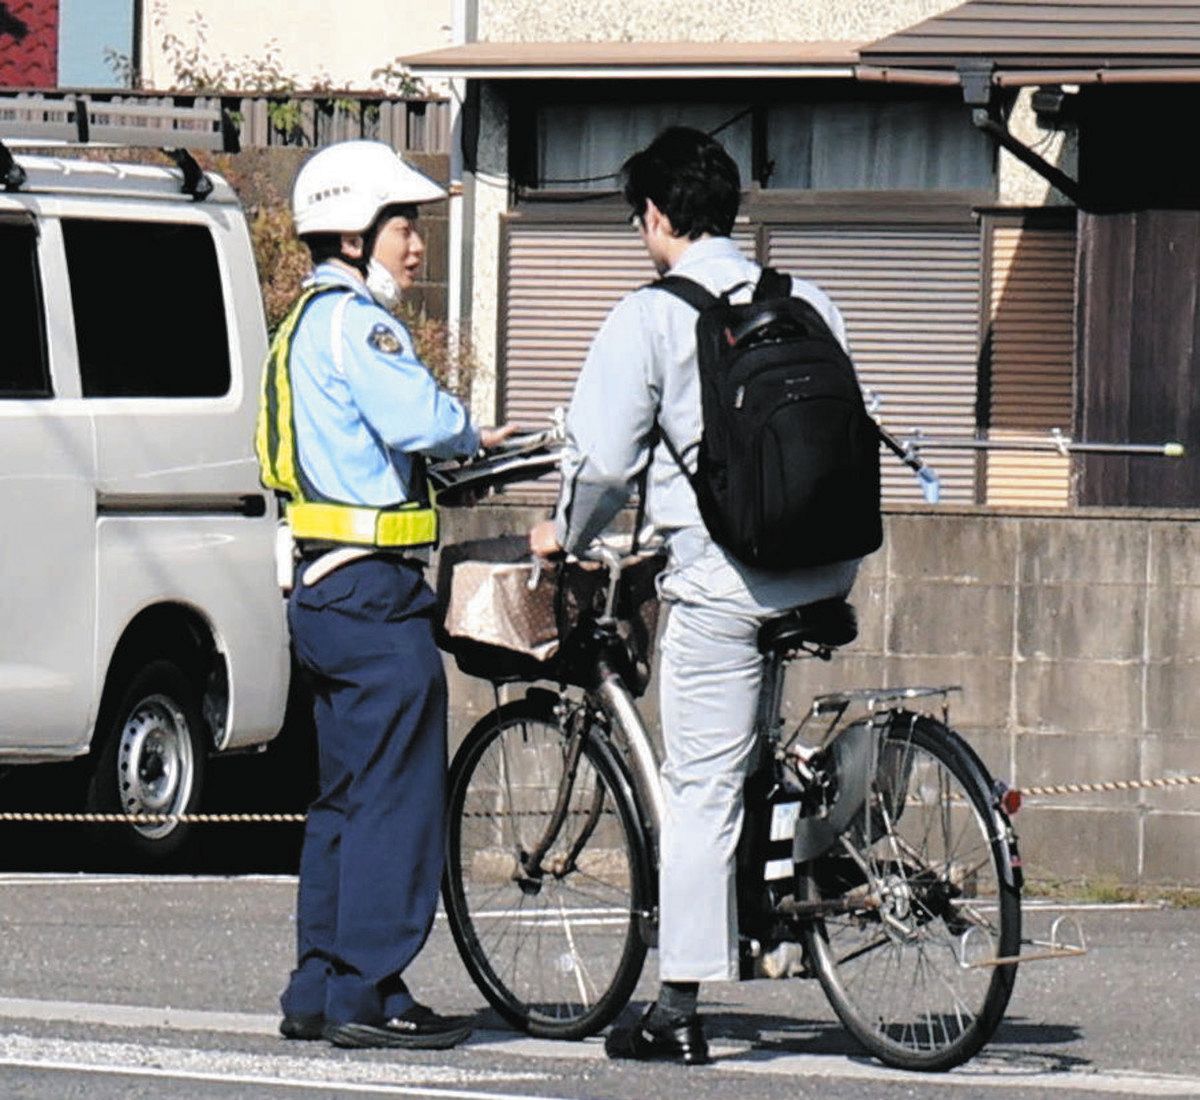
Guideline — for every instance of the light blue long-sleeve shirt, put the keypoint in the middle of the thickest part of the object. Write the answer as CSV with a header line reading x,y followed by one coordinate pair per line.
x,y
642,365
363,402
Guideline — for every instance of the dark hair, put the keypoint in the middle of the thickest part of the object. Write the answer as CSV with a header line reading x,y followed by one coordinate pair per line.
x,y
323,246
328,246
690,178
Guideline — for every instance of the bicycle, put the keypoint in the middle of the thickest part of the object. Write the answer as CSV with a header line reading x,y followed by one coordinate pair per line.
x,y
878,858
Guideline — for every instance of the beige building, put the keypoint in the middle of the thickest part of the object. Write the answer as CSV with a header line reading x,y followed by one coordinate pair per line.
x,y
980,303
314,42
885,194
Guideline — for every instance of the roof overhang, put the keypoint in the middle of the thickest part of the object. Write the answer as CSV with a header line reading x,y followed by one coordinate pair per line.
x,y
1044,42
636,60
1032,76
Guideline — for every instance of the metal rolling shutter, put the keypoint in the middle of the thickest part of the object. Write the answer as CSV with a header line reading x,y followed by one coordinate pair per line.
x,y
560,281
910,298
1031,322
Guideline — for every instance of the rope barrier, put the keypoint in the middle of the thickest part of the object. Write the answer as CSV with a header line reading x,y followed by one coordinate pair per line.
x,y
298,819
156,819
1113,785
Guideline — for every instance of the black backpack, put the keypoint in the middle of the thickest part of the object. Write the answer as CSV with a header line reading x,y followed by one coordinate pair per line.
x,y
788,464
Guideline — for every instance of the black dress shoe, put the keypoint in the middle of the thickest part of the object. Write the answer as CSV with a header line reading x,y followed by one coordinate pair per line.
x,y
302,1027
419,1028
648,1041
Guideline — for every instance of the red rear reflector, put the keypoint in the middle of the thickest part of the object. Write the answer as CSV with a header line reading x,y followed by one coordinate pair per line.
x,y
1010,801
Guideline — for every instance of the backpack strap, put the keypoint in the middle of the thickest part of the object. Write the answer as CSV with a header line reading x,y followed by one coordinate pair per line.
x,y
686,290
772,284
699,298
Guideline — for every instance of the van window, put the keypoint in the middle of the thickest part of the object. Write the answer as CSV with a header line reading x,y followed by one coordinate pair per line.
x,y
149,314
23,364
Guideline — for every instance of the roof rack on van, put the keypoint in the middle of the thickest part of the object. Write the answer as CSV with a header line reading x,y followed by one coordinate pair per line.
x,y
77,120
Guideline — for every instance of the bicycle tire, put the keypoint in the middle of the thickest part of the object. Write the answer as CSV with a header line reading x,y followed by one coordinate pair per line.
x,y
919,994
551,990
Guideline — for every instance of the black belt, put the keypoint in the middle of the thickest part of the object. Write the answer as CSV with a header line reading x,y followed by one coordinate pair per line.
x,y
309,550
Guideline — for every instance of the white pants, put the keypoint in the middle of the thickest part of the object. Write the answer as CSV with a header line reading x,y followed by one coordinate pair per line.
x,y
709,681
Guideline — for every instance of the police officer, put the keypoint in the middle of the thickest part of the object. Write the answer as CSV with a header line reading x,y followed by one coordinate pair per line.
x,y
348,415
683,191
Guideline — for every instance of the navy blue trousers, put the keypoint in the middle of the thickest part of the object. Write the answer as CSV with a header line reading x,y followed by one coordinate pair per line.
x,y
372,857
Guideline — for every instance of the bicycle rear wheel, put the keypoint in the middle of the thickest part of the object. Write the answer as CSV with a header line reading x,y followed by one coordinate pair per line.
x,y
919,902
557,952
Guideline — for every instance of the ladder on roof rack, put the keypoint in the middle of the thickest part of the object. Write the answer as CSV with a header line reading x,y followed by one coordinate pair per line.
x,y
77,120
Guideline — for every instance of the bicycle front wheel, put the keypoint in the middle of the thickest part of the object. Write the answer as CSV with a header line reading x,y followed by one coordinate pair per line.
x,y
918,905
554,942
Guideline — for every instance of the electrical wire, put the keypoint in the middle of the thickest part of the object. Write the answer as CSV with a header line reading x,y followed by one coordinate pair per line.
x,y
616,175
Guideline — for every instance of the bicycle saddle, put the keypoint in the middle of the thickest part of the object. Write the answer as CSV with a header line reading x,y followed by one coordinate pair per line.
x,y
827,622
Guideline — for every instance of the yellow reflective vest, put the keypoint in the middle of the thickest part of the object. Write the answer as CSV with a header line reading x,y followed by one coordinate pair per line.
x,y
310,515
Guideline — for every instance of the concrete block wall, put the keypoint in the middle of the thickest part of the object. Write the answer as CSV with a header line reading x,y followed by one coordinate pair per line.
x,y
1076,640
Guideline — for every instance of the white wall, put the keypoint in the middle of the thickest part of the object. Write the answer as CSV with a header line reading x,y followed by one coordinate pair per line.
x,y
701,20
320,41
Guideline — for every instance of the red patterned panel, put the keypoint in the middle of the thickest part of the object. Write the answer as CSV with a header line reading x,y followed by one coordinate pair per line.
x,y
28,43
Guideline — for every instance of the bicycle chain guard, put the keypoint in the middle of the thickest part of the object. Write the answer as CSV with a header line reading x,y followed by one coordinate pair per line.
x,y
851,758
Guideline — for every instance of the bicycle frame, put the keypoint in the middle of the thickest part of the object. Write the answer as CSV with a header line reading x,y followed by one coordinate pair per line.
x,y
827,875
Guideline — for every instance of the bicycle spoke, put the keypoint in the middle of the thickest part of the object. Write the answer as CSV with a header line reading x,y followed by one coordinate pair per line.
x,y
922,846
551,947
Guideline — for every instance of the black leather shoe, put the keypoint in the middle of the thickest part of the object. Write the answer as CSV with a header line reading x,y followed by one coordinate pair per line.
x,y
646,1041
419,1028
302,1027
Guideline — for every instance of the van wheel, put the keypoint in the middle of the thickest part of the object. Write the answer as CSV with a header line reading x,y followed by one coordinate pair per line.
x,y
151,760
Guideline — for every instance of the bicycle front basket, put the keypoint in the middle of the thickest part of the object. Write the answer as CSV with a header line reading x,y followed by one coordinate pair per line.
x,y
499,628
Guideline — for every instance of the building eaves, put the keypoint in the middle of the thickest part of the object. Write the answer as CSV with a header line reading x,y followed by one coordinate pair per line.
x,y
1086,41
636,60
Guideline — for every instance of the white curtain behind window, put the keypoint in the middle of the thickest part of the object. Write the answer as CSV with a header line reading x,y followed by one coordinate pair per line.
x,y
578,143
877,146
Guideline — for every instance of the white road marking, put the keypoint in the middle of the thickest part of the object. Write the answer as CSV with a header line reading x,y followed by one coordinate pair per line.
x,y
138,1016
987,1071
589,911
224,1067
69,878
1034,905
983,1072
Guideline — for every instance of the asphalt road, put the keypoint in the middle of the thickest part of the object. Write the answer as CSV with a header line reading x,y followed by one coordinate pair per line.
x,y
127,986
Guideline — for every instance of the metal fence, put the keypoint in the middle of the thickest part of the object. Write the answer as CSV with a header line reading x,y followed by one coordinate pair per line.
x,y
302,119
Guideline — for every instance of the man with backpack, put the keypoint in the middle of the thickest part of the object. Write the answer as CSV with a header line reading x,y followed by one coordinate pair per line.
x,y
733,384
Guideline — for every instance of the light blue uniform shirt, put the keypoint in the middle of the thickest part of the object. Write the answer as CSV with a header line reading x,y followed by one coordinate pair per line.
x,y
363,402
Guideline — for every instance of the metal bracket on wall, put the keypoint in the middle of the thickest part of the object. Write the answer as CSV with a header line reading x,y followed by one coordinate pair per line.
x,y
979,95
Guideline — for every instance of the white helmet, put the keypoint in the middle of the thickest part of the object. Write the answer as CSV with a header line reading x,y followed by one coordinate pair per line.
x,y
343,187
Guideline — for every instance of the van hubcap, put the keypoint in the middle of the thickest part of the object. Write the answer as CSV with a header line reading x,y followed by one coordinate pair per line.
x,y
155,768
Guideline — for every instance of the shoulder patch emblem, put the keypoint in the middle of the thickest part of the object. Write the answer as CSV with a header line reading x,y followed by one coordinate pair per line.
x,y
383,339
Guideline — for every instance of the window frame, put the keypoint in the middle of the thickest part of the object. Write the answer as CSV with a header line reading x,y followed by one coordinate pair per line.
x,y
191,219
525,97
26,220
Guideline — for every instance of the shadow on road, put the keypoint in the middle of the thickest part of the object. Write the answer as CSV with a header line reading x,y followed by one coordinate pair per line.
x,y
1014,1044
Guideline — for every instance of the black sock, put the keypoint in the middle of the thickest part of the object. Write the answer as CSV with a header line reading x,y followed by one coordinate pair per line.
x,y
676,1002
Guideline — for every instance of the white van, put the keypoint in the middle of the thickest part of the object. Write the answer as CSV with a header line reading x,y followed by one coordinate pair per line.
x,y
141,626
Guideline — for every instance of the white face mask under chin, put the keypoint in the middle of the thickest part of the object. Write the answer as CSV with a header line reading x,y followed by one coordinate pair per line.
x,y
382,286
